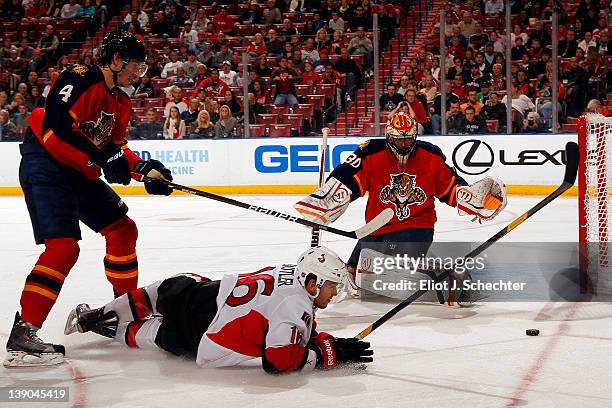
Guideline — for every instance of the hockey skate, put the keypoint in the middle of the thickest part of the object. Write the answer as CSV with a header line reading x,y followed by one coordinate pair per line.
x,y
25,349
83,319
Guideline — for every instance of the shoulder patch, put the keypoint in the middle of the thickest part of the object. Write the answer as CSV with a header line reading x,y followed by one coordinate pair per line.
x,y
373,146
80,69
431,148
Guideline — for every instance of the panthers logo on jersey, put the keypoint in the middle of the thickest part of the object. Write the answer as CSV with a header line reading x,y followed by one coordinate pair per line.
x,y
402,192
80,69
99,132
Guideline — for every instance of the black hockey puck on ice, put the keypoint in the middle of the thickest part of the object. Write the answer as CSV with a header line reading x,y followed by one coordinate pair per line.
x,y
532,332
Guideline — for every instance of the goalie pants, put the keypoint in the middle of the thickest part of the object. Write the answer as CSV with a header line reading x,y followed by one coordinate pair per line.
x,y
413,242
172,314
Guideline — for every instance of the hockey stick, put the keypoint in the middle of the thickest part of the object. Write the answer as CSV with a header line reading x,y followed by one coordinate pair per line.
x,y
571,170
315,236
377,222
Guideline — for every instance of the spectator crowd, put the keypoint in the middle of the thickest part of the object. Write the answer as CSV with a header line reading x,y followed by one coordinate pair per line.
x,y
476,100
307,60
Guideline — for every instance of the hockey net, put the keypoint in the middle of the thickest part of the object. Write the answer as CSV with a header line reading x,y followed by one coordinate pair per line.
x,y
595,203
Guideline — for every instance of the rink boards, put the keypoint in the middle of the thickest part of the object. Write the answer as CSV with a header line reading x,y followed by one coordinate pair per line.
x,y
529,164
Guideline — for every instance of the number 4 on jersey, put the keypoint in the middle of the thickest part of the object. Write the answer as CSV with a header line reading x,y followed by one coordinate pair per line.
x,y
66,91
250,281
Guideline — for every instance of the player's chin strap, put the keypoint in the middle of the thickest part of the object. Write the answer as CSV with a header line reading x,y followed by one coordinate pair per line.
x,y
116,74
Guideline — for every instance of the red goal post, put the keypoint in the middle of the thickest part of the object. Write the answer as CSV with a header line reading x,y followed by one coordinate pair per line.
x,y
595,203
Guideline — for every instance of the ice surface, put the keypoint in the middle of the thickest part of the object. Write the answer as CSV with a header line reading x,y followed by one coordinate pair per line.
x,y
428,356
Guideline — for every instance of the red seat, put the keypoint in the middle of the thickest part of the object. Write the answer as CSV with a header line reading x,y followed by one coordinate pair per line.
x,y
267,118
358,58
293,17
159,83
78,24
257,130
260,28
137,112
271,62
296,120
281,130
302,90
316,100
24,25
278,109
153,103
306,109
493,125
369,129
242,29
236,90
7,25
63,34
329,90
334,58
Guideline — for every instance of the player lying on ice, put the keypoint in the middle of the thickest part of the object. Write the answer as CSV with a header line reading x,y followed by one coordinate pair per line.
x,y
404,174
269,314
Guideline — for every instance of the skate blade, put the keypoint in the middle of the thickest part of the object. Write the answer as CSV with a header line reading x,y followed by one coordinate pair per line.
x,y
19,359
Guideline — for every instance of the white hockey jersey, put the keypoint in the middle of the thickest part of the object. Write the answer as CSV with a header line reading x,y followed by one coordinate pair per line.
x,y
264,314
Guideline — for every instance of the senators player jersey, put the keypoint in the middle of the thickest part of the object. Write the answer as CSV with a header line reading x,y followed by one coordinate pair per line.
x,y
265,314
409,190
81,116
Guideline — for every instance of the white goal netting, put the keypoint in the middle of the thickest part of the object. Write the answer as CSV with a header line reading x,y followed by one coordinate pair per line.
x,y
595,137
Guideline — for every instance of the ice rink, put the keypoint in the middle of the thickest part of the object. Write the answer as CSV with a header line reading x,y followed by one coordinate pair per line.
x,y
428,356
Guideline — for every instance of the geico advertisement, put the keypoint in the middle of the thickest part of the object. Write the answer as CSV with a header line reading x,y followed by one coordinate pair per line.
x,y
517,159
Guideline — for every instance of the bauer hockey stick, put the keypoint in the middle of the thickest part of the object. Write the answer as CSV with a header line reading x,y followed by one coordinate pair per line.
x,y
315,237
377,222
571,170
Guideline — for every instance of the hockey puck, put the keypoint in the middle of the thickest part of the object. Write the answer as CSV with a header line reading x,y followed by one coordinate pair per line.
x,y
532,332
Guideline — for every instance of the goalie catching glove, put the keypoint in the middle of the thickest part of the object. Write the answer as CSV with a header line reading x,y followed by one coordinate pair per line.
x,y
483,199
336,352
326,204
158,172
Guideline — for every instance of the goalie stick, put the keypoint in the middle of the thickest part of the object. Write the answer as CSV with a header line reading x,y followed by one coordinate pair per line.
x,y
571,170
377,222
315,236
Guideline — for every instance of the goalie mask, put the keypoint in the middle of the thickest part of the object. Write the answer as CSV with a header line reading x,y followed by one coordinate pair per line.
x,y
400,135
324,264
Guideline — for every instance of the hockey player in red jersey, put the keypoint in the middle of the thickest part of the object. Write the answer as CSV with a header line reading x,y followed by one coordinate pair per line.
x,y
269,314
404,174
79,136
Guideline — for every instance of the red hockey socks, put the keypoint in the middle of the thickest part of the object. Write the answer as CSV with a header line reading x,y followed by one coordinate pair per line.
x,y
45,281
120,262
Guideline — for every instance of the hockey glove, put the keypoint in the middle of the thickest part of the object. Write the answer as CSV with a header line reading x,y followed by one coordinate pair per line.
x,y
115,165
483,199
326,204
336,352
157,171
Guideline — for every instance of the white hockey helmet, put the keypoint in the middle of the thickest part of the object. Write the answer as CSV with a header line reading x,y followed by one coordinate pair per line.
x,y
323,263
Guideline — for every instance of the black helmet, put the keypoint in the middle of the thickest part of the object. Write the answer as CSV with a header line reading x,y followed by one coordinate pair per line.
x,y
126,44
